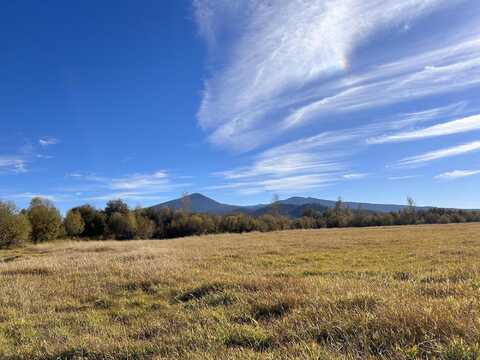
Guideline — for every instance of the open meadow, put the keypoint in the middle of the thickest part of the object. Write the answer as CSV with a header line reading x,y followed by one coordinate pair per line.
x,y
374,293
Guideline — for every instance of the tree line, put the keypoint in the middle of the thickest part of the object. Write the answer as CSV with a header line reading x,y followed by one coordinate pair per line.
x,y
42,221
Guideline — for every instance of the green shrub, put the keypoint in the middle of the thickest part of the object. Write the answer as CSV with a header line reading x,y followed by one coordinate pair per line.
x,y
122,226
74,224
14,227
45,220
145,226
94,220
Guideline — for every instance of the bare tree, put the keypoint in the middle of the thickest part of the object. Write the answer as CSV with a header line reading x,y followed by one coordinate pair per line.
x,y
411,203
411,210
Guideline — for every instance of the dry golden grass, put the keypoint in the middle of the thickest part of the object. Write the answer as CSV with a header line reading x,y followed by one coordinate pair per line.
x,y
378,293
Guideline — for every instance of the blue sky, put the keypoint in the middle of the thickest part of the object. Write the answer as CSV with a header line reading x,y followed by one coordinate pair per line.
x,y
371,100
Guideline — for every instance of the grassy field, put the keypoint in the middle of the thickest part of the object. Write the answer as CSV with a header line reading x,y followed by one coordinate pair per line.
x,y
378,293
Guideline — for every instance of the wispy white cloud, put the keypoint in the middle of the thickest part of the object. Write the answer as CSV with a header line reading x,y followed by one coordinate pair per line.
x,y
304,164
44,157
259,78
467,124
449,69
325,157
22,156
91,187
297,184
297,165
48,141
139,186
136,196
325,140
439,154
29,195
261,91
403,177
418,117
157,181
322,153
284,165
55,196
13,164
457,174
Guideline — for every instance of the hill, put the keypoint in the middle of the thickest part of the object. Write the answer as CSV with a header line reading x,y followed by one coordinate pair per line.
x,y
292,207
198,203
384,208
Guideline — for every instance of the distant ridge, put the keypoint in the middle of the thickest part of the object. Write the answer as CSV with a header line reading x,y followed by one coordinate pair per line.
x,y
292,207
385,208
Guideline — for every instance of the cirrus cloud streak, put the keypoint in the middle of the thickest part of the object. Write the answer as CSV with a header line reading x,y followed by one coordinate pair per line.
x,y
439,154
467,124
457,174
278,65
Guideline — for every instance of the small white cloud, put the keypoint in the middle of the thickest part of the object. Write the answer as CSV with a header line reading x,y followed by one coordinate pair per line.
x,y
457,174
48,141
44,157
355,176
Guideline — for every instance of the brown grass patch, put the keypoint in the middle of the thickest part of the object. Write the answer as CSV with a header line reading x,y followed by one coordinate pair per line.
x,y
374,294
34,271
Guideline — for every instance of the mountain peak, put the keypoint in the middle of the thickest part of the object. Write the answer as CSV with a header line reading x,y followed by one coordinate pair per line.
x,y
199,196
199,203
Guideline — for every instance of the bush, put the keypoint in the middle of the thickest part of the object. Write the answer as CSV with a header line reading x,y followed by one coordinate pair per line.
x,y
145,227
74,224
94,221
444,219
122,226
14,227
45,220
